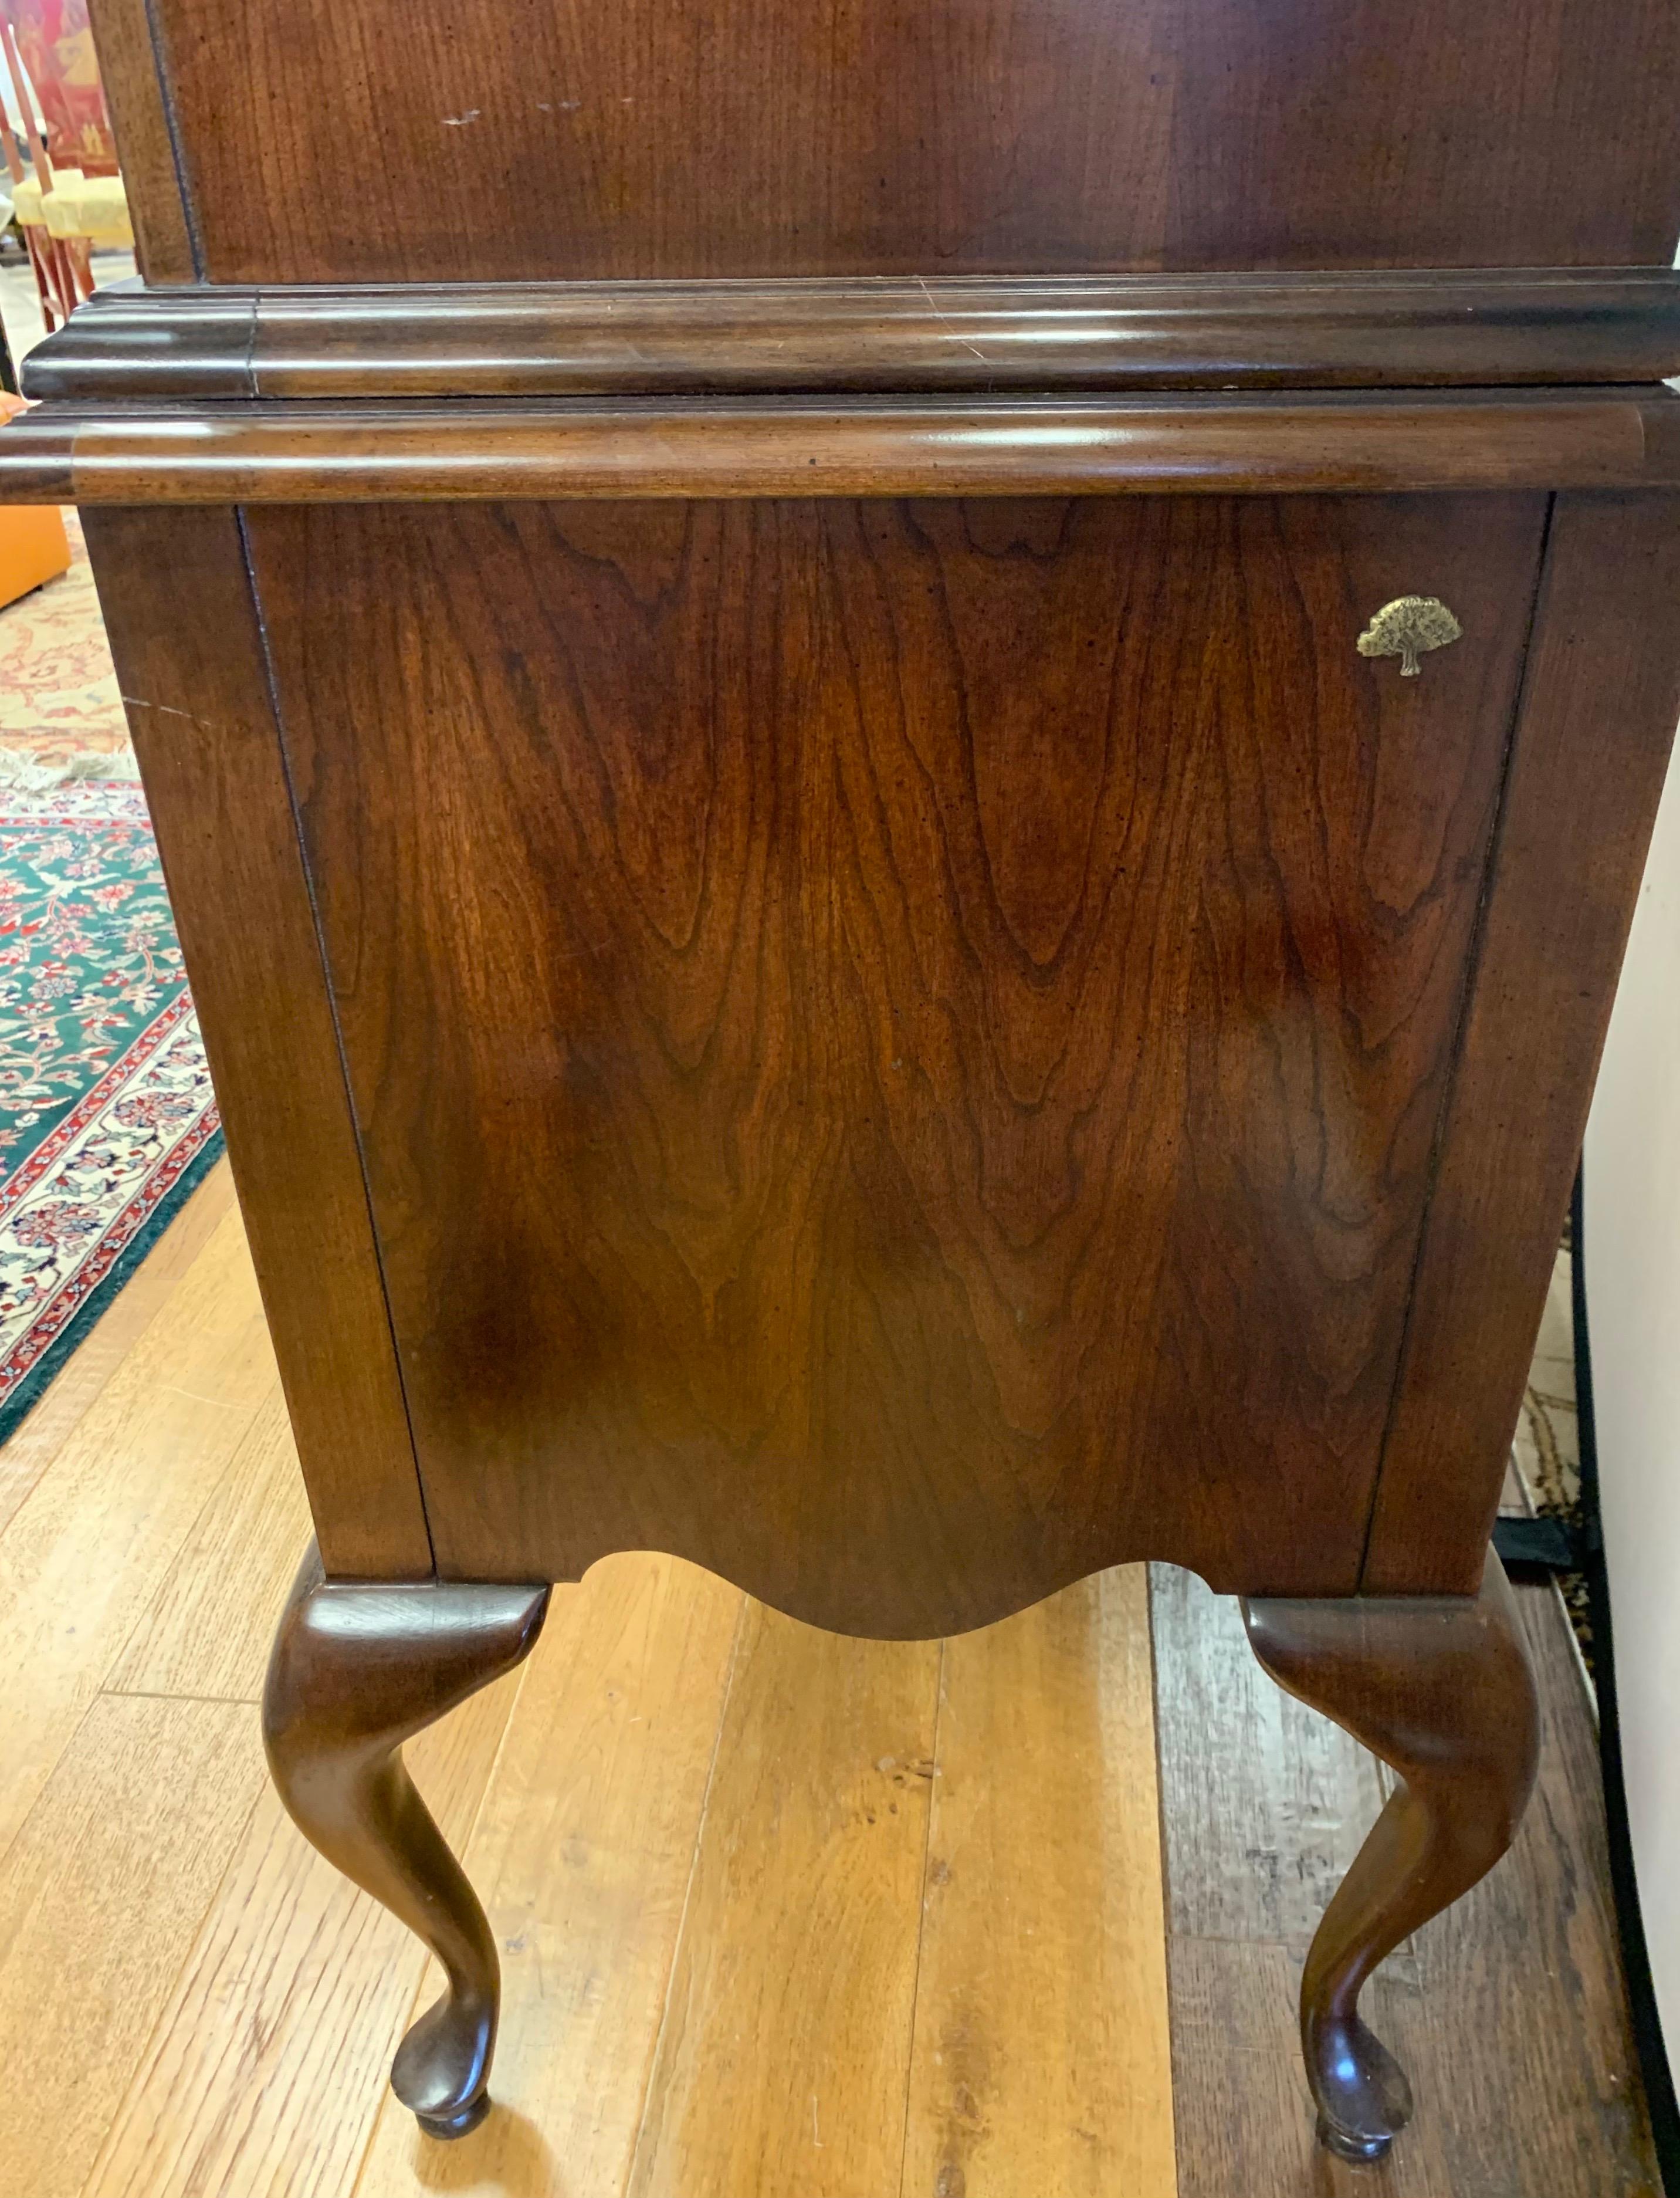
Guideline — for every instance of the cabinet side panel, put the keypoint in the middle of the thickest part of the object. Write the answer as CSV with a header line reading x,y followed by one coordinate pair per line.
x,y
1601,698
131,71
410,141
184,631
898,1044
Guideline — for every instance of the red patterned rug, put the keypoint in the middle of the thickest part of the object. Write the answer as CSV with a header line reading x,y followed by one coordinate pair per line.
x,y
107,1116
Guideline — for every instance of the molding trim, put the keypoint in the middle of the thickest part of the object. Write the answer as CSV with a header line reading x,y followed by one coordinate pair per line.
x,y
1255,444
1428,328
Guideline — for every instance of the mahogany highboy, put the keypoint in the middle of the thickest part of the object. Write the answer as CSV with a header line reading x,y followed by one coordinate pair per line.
x,y
820,946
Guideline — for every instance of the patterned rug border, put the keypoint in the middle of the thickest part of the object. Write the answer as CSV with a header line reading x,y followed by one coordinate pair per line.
x,y
73,801
64,1324
165,1203
17,1186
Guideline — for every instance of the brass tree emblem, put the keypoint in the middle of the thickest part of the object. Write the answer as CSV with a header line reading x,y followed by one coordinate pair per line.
x,y
1408,626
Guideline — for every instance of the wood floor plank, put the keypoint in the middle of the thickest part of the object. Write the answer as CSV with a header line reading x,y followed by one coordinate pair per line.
x,y
77,1387
264,2073
79,1383
782,2061
1042,2059
82,1557
101,1897
207,1629
1262,1822
1243,2114
763,2033
1264,1804
1508,2010
581,1857
1527,1965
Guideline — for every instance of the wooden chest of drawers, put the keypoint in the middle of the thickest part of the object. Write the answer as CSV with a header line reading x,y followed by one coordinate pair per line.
x,y
904,746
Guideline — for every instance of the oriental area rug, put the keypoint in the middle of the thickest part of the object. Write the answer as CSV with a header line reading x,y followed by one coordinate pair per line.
x,y
107,1117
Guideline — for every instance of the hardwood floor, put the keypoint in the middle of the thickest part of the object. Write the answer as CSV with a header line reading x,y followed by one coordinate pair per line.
x,y
1508,2011
779,1913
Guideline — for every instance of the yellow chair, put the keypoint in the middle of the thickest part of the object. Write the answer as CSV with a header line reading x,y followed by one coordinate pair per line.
x,y
84,210
62,212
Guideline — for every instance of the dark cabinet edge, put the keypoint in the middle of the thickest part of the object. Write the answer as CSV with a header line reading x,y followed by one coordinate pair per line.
x,y
131,68
1589,752
1256,443
207,732
1418,329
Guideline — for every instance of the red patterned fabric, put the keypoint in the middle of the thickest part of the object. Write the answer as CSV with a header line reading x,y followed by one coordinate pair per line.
x,y
55,42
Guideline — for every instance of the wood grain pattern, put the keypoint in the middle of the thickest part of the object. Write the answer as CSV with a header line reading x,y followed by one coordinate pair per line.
x,y
799,1949
358,1668
582,1855
1241,2103
1258,444
1256,1842
981,1088
1532,1956
1045,1749
207,1629
1601,698
264,2075
38,471
81,1559
101,1897
128,69
133,341
267,2067
1442,1689
199,707
1315,331
615,137
1261,1803
29,1450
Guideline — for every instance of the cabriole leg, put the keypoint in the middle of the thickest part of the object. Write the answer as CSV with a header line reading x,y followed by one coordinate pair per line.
x,y
1443,1691
358,1668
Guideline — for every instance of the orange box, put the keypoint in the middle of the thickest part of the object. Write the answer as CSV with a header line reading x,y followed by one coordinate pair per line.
x,y
32,543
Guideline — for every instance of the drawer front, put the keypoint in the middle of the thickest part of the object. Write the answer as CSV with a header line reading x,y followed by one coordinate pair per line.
x,y
899,1046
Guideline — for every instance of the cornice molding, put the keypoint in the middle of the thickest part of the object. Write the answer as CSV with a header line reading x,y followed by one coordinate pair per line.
x,y
1428,328
1256,443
